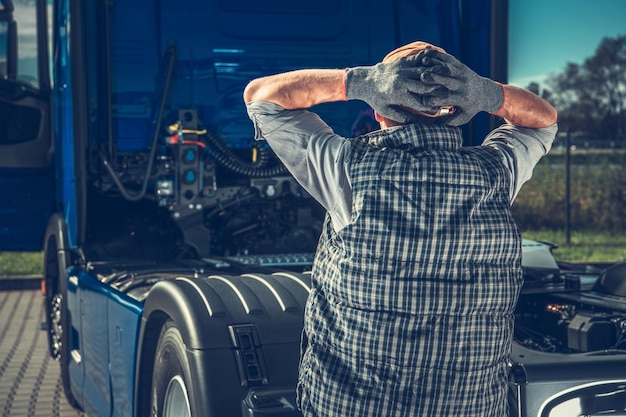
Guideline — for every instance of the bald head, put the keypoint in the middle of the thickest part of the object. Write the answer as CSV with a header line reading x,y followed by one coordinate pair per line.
x,y
409,49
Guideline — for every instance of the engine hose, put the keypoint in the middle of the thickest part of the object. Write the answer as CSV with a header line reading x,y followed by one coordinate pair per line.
x,y
244,168
262,157
262,153
225,157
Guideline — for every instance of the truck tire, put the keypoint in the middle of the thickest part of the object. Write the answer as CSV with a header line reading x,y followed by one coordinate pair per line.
x,y
58,322
172,390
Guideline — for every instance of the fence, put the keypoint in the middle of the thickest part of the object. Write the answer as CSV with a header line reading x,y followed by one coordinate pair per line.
x,y
575,188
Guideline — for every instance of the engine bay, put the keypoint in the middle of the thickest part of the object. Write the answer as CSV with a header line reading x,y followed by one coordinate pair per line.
x,y
570,338
571,308
199,198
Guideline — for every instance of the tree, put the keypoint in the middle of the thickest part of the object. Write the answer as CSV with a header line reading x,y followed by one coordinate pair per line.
x,y
591,97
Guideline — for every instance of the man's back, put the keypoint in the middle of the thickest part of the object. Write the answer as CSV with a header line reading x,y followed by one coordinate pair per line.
x,y
421,285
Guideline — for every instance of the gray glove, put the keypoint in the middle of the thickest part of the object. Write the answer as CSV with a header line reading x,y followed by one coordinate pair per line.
x,y
469,92
395,89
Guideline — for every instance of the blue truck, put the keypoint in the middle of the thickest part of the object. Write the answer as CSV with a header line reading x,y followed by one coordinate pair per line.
x,y
176,249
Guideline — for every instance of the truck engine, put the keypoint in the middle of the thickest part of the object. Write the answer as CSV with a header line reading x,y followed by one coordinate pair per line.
x,y
570,338
194,197
172,169
578,309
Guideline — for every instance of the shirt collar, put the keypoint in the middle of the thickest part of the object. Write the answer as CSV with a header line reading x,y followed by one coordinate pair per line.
x,y
417,136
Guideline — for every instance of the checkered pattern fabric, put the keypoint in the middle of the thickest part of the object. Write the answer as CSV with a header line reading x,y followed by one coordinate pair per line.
x,y
411,308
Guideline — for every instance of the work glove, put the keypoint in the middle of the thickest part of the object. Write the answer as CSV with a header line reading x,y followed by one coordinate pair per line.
x,y
395,89
469,93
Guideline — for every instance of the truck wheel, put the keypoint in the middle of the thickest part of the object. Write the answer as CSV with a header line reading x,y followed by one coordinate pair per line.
x,y
172,391
58,322
53,299
60,330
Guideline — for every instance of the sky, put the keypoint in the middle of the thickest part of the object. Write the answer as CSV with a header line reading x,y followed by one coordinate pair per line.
x,y
544,35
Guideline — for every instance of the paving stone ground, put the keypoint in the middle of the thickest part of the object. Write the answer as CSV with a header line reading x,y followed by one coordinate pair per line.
x,y
30,381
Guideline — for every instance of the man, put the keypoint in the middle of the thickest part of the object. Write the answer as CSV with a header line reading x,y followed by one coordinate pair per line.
x,y
418,267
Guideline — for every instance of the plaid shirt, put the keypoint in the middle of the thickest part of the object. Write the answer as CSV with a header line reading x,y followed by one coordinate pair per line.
x,y
418,267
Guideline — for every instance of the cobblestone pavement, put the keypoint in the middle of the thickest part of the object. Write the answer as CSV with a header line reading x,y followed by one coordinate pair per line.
x,y
30,381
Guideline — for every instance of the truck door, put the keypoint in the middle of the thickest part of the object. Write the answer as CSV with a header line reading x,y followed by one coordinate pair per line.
x,y
26,144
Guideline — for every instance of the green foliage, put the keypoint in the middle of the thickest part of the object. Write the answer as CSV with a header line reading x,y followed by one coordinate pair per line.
x,y
21,263
591,97
584,246
597,203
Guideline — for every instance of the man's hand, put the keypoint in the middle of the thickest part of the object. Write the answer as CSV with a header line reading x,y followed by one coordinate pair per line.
x,y
469,93
396,89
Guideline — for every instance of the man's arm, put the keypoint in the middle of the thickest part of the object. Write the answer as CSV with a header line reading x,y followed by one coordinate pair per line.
x,y
394,89
525,109
298,89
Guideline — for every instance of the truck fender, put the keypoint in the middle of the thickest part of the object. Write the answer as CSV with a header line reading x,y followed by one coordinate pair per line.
x,y
56,250
212,312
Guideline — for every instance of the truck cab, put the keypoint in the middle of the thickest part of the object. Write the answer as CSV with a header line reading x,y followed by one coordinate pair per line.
x,y
126,156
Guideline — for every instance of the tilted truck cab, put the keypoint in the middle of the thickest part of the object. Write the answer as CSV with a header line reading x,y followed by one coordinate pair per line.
x,y
176,248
